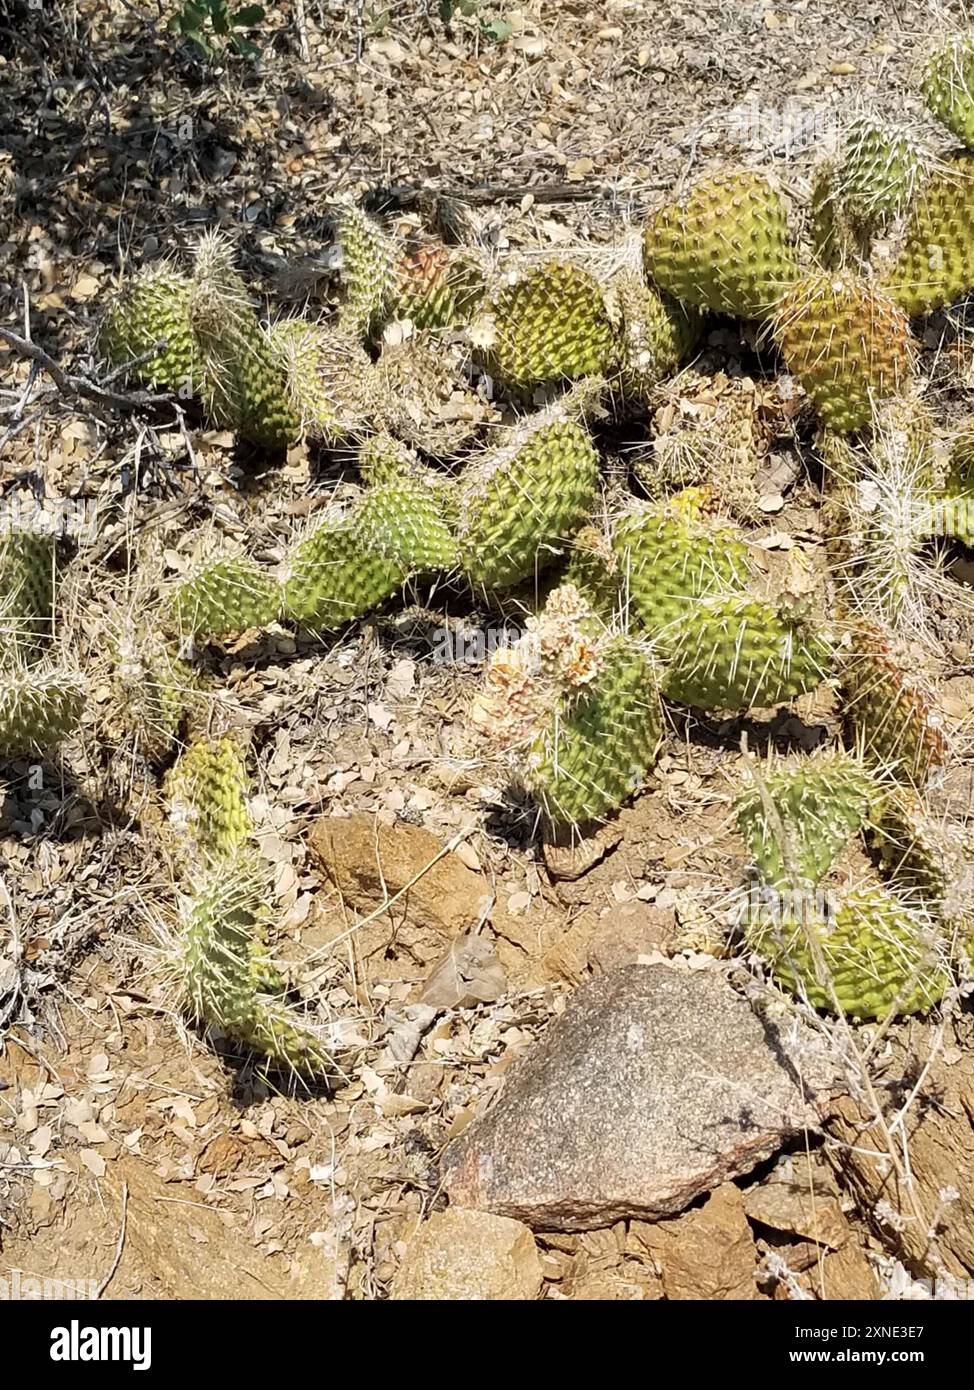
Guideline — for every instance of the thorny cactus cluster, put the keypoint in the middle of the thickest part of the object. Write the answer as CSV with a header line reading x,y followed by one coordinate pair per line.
x,y
646,599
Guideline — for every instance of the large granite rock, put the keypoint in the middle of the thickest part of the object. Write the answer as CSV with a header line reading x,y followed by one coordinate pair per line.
x,y
655,1085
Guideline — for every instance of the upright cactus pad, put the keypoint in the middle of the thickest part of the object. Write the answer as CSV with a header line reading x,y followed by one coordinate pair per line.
x,y
243,384
655,333
28,561
948,86
599,740
336,573
229,594
936,264
330,378
369,257
878,175
519,504
546,323
153,308
435,286
668,559
847,343
796,820
39,708
207,789
878,955
734,652
892,717
220,965
724,246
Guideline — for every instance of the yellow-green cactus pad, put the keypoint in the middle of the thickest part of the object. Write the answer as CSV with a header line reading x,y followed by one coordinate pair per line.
x,y
847,343
878,955
948,86
153,308
936,265
600,740
725,245
733,652
207,790
520,503
39,708
229,594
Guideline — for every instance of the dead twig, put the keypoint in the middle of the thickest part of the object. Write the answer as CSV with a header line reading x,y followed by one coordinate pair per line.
x,y
78,385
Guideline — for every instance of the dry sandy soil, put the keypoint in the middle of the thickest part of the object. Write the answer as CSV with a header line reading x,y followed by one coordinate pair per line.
x,y
134,1154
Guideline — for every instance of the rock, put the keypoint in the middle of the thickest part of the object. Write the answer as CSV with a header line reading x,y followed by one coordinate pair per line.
x,y
839,1276
938,1134
655,1085
368,862
708,1253
799,1198
459,1255
570,859
628,931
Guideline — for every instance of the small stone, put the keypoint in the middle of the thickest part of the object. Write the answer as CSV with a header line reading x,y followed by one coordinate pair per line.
x,y
704,1254
655,1085
460,1255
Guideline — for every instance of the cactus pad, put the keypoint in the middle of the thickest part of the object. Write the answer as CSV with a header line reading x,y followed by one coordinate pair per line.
x,y
847,343
39,708
733,652
228,594
724,246
27,565
330,378
936,265
948,86
892,718
207,789
153,307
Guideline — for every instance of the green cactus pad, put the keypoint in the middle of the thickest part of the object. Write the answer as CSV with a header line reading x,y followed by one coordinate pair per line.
x,y
150,308
546,323
948,86
382,458
880,955
734,652
28,560
798,819
229,594
436,286
892,717
600,741
330,378
847,343
207,790
39,708
220,968
520,503
336,573
655,333
243,385
878,174
936,265
369,258
724,245
669,557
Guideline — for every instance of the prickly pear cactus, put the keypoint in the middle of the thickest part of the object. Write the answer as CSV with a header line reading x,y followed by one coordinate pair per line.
x,y
157,690
847,343
219,965
873,953
410,519
381,459
880,169
520,503
734,652
369,257
28,560
725,245
600,740
668,557
228,594
892,718
335,573
797,819
948,86
153,308
936,265
39,708
243,384
655,334
545,323
207,789
436,286
330,379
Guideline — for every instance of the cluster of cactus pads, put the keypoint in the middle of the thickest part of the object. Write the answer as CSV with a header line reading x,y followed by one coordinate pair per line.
x,y
644,598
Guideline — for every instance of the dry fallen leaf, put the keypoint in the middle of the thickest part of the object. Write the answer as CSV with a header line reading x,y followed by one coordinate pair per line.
x,y
468,974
